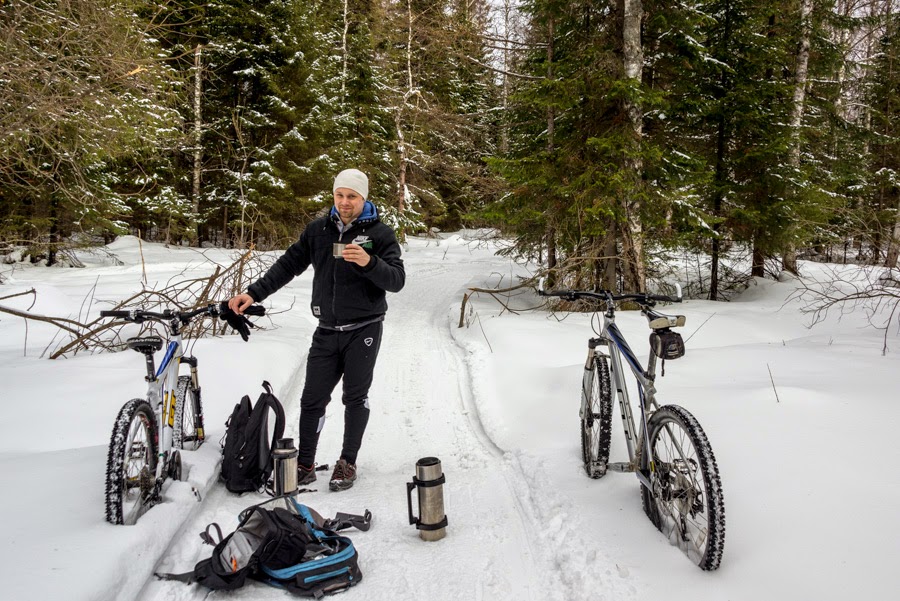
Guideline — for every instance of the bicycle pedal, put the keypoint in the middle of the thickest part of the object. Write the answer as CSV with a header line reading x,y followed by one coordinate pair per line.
x,y
322,468
621,466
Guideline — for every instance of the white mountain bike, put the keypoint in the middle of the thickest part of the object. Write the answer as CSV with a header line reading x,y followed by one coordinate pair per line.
x,y
150,433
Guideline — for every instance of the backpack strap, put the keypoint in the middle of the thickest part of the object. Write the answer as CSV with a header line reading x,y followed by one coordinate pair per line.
x,y
207,537
258,422
272,401
187,577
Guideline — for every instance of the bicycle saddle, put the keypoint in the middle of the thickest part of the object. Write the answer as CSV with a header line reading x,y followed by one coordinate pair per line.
x,y
146,344
658,321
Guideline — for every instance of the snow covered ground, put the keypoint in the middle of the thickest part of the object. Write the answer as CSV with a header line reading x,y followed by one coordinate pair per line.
x,y
811,498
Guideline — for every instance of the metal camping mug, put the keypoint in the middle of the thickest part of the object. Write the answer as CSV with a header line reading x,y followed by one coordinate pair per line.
x,y
337,250
429,479
285,456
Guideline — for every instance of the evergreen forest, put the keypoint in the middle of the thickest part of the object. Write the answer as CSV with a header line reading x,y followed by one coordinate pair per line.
x,y
597,136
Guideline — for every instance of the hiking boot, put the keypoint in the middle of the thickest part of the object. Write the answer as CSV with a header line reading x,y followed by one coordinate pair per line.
x,y
343,476
305,475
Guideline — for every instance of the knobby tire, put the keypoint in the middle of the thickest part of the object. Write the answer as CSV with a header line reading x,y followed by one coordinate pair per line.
x,y
188,425
686,503
131,462
596,418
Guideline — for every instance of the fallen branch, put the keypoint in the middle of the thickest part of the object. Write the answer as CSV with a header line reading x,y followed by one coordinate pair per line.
x,y
178,294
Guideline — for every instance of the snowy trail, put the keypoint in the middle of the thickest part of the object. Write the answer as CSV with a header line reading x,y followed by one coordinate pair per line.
x,y
421,406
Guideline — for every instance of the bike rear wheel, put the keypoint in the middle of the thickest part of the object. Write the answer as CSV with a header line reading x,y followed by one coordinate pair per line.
x,y
188,425
131,463
686,502
596,417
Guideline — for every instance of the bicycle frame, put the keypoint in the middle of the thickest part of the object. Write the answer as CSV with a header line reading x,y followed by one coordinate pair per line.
x,y
611,337
161,389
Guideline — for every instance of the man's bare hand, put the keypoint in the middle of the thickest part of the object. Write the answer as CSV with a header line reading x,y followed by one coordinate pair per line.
x,y
356,254
239,303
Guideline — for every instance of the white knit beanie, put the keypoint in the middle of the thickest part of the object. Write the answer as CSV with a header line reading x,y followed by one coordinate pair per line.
x,y
354,179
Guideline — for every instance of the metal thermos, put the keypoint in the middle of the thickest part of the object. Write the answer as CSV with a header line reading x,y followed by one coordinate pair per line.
x,y
285,456
429,479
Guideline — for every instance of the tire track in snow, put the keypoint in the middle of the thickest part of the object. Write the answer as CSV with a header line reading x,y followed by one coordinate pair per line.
x,y
578,569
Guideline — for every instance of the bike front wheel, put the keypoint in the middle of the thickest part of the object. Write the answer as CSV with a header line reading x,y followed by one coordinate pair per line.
x,y
131,463
596,417
686,502
188,418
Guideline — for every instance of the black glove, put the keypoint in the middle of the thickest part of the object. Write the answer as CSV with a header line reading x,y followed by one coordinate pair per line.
x,y
255,310
240,323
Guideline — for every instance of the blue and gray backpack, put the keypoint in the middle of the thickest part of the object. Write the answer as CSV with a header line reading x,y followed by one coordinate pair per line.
x,y
283,543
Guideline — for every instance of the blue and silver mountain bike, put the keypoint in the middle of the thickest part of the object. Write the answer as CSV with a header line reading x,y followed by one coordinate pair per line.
x,y
668,451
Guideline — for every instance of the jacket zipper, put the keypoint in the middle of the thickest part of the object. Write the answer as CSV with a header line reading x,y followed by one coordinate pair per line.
x,y
334,278
334,270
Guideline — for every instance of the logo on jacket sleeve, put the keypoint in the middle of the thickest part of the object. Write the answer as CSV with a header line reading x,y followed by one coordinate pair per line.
x,y
369,341
317,311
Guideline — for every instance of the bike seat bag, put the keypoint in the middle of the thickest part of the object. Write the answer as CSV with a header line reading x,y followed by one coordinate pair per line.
x,y
666,344
247,460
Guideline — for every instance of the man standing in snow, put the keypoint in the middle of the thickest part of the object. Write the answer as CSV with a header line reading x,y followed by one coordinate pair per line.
x,y
356,259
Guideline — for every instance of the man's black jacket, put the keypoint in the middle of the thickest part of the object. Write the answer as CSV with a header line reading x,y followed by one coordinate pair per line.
x,y
343,292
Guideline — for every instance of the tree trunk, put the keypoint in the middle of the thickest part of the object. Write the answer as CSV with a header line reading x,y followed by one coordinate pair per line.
x,y
892,232
344,53
893,252
789,258
504,121
632,241
721,173
404,159
198,151
551,256
843,9
551,123
757,261
719,181
402,192
609,259
54,231
550,117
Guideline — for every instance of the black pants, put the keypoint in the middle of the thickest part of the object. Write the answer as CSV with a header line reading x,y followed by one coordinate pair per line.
x,y
334,355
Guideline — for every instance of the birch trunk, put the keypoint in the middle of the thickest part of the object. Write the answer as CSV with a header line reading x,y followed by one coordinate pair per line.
x,y
198,133
504,122
800,76
892,253
401,140
633,245
344,53
789,259
551,123
401,147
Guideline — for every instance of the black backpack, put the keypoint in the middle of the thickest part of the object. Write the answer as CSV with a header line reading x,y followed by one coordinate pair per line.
x,y
247,451
283,543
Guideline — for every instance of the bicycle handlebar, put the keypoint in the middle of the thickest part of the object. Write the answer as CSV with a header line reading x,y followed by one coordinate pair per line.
x,y
139,315
642,298
122,314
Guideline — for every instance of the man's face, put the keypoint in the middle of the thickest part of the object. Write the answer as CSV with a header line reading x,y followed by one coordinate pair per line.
x,y
349,204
